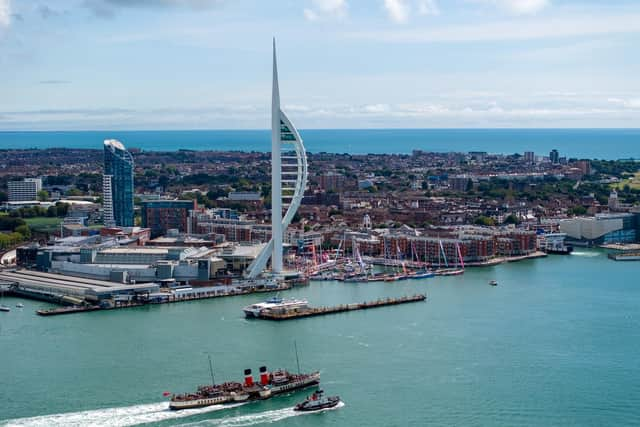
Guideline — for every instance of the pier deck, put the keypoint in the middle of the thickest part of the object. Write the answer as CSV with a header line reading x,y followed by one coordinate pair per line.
x,y
170,298
321,311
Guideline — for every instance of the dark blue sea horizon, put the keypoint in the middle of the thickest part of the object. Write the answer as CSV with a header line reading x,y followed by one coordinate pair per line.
x,y
607,144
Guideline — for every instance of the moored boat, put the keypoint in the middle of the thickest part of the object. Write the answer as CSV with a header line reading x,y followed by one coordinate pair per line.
x,y
274,303
4,308
449,271
493,282
420,274
316,402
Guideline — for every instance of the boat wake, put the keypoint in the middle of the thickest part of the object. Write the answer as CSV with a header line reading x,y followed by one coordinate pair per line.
x,y
266,417
586,254
117,417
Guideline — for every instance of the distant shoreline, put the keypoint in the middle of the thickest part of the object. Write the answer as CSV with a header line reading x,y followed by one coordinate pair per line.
x,y
595,143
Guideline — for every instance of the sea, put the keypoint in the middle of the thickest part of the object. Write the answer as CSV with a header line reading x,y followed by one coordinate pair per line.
x,y
556,343
609,144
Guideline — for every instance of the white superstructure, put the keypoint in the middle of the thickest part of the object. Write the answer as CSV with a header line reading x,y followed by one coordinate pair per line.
x,y
274,303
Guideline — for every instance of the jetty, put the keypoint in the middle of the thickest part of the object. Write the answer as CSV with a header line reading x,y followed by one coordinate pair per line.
x,y
271,314
162,298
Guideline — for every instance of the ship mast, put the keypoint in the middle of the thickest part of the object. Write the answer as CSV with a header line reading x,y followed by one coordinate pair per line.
x,y
295,345
213,381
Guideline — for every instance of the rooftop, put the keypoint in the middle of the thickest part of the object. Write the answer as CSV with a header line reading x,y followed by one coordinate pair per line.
x,y
148,251
114,143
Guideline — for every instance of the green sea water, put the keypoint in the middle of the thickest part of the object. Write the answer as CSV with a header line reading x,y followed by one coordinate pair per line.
x,y
557,342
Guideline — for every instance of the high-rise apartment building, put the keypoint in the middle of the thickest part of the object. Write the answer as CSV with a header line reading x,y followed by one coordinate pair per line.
x,y
117,185
529,157
25,190
554,156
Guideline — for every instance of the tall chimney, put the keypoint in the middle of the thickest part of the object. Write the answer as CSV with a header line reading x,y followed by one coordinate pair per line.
x,y
264,375
248,379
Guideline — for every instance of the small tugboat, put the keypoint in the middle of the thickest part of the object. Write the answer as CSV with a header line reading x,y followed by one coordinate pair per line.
x,y
493,283
317,402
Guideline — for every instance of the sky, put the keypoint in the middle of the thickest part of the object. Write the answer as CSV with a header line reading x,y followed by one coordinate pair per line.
x,y
206,64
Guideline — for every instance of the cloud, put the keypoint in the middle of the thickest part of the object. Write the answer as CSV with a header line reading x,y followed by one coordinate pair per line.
x,y
529,29
46,12
326,9
517,7
428,7
397,10
54,82
602,112
5,13
375,108
108,8
632,103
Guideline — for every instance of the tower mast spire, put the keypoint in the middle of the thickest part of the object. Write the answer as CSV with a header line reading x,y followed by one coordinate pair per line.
x,y
276,172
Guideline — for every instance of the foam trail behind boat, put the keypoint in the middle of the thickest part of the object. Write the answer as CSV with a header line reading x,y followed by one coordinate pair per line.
x,y
266,417
586,254
117,417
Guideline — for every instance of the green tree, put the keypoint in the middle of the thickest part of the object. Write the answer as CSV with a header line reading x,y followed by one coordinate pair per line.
x,y
511,219
578,210
484,220
9,223
24,230
43,195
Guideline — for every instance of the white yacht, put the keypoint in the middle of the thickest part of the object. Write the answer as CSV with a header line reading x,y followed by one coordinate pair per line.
x,y
274,303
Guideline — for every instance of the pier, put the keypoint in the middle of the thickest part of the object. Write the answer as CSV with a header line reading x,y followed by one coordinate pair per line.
x,y
321,311
164,298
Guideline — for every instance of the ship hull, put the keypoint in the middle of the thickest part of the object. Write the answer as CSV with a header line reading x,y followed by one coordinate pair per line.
x,y
199,403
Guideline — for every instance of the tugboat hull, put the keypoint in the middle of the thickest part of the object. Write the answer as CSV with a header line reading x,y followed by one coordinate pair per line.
x,y
319,407
317,402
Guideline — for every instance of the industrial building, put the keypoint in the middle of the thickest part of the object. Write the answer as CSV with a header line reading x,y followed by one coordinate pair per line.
x,y
602,228
70,290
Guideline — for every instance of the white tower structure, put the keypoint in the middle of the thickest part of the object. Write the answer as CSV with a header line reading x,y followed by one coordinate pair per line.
x,y
288,180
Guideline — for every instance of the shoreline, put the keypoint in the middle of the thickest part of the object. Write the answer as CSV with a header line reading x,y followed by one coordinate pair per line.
x,y
581,142
501,260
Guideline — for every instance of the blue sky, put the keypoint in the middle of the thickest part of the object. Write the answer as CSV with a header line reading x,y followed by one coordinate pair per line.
x,y
205,64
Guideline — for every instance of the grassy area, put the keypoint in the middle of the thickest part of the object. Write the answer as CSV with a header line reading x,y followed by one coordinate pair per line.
x,y
632,181
44,224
